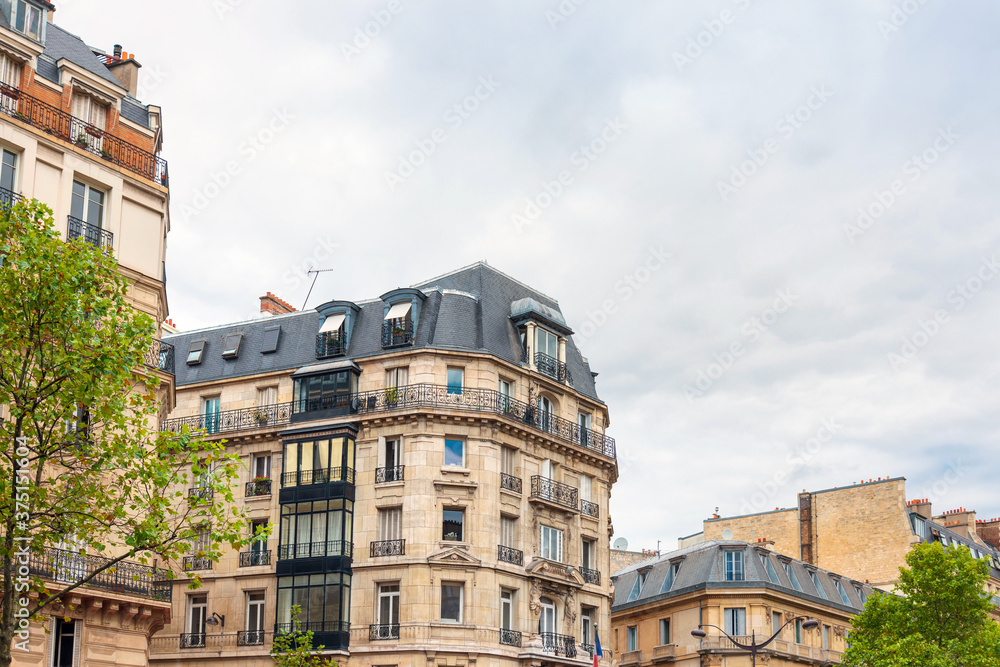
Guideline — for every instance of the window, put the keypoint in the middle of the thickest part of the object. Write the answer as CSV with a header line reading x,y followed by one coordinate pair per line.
x,y
258,526
587,626
583,424
547,619
318,462
28,19
388,604
197,610
548,469
587,555
551,544
919,525
664,631
64,643
506,392
769,567
397,325
8,177
195,352
775,621
668,580
210,411
87,204
826,636
267,396
454,453
546,343
861,594
270,342
546,413
734,566
10,73
508,457
736,621
324,392
506,609
390,524
791,576
508,531
819,587
255,617
393,459
231,348
586,487
397,377
798,631
324,599
456,379
640,581
632,634
451,602
316,529
843,593
451,525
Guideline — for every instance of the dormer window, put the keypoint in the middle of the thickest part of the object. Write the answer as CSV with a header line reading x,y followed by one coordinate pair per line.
x,y
399,317
331,340
196,352
231,348
28,19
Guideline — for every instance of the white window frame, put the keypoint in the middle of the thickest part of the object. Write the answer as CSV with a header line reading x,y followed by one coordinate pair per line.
x,y
383,593
508,608
632,638
508,531
85,216
260,608
445,460
390,523
548,538
664,631
735,620
261,466
397,377
461,601
588,549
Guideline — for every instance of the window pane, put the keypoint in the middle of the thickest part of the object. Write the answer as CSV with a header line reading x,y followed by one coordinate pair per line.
x,y
95,208
451,602
453,453
452,525
455,380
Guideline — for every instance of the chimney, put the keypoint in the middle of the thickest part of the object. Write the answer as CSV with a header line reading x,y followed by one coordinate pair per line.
x,y
989,532
272,305
961,520
921,507
125,69
118,51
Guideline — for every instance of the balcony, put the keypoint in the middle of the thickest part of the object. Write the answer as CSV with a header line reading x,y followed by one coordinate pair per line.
x,y
510,555
388,548
254,558
201,493
310,477
588,508
315,550
552,367
315,627
160,356
161,643
631,658
409,397
193,640
383,631
510,638
49,119
193,563
124,577
548,490
9,199
396,334
510,483
591,576
250,638
392,474
258,488
664,653
92,234
562,645
329,345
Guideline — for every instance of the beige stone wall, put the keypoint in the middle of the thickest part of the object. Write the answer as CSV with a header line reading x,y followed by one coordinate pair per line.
x,y
781,527
622,559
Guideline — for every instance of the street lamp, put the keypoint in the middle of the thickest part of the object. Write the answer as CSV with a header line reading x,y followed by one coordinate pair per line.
x,y
753,646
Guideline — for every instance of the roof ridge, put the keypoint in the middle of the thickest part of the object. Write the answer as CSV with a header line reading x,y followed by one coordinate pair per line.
x,y
484,264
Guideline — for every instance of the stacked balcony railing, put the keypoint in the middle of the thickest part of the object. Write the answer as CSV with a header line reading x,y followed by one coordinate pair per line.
x,y
315,550
591,576
510,555
383,631
255,558
192,563
58,123
125,577
554,492
92,234
588,508
409,397
391,474
510,483
388,548
396,333
258,488
510,638
160,355
310,477
562,645
552,367
329,345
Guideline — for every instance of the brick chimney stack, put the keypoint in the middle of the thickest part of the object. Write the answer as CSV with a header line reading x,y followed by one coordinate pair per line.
x,y
272,305
989,531
960,520
921,507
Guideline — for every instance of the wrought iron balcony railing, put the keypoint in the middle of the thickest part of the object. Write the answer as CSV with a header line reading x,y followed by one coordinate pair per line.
x,y
15,102
250,638
160,355
314,626
410,397
310,477
382,631
388,548
510,483
8,199
125,577
391,474
562,645
510,555
201,493
396,334
192,563
92,234
552,367
554,492
254,558
315,550
588,508
510,637
591,576
329,344
258,488
588,648
193,640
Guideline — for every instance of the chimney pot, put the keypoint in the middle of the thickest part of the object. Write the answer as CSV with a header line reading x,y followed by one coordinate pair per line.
x,y
118,50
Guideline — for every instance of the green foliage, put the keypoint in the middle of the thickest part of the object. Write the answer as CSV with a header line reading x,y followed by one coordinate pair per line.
x,y
295,649
98,476
939,619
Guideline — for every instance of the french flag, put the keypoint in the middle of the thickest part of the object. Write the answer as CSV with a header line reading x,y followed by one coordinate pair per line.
x,y
597,646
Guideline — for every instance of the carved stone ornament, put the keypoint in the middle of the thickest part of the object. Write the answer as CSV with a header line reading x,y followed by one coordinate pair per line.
x,y
570,609
535,600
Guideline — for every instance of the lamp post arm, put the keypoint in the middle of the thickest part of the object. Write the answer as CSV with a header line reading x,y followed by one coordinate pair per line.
x,y
747,647
778,632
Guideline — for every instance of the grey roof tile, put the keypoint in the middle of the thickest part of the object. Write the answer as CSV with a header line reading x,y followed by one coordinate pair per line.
x,y
135,112
62,44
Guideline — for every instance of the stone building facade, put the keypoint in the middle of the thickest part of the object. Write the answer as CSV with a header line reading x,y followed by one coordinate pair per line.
x,y
74,136
726,586
435,467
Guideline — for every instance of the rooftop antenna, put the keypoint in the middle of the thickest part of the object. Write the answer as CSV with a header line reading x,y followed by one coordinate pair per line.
x,y
317,272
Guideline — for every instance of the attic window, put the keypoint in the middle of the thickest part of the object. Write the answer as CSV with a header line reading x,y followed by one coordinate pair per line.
x,y
28,19
818,585
270,343
671,577
843,593
231,349
195,352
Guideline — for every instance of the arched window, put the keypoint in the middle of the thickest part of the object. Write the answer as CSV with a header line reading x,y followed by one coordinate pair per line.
x,y
547,620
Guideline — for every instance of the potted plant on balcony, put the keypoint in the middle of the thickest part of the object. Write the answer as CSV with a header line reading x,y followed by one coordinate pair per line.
x,y
392,396
105,154
82,140
261,417
261,485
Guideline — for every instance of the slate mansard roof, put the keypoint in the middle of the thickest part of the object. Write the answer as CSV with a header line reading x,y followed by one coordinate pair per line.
x,y
467,310
703,566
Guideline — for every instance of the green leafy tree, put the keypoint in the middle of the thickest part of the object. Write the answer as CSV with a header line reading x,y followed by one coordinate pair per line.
x,y
941,617
295,649
83,466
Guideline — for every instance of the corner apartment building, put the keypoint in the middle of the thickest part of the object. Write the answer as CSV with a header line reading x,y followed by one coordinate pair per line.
x,y
435,467
747,591
74,136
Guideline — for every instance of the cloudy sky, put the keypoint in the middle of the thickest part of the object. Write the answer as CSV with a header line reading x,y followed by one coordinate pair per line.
x,y
773,224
